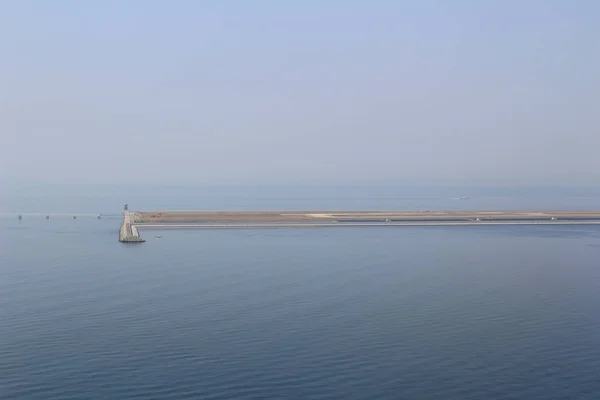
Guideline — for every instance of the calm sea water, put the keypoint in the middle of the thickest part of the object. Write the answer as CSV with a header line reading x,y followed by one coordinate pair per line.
x,y
342,313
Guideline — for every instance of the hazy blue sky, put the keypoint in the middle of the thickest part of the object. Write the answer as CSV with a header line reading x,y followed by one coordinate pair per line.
x,y
305,91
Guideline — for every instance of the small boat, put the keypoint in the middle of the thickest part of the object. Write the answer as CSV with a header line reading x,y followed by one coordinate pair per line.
x,y
158,236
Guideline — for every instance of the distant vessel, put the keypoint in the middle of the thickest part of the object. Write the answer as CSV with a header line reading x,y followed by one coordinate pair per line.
x,y
158,236
47,217
20,216
465,198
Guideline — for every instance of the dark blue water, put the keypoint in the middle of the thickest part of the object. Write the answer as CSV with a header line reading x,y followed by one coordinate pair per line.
x,y
494,312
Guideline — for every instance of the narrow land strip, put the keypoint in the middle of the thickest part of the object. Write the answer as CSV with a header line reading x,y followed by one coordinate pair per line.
x,y
317,219
358,224
351,216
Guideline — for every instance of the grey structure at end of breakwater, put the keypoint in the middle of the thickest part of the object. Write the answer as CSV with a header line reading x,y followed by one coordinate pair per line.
x,y
129,232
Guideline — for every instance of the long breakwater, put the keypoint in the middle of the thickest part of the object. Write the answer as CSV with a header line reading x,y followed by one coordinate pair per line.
x,y
134,221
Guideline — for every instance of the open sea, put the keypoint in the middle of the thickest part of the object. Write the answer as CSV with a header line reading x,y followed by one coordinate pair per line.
x,y
464,313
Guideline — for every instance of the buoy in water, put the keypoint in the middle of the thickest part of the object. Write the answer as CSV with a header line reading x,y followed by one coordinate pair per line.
x,y
47,217
20,217
74,216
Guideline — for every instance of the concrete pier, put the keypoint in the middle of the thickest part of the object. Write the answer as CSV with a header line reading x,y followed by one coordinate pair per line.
x,y
313,219
129,232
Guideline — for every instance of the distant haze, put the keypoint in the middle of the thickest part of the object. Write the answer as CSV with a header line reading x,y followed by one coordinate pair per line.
x,y
300,92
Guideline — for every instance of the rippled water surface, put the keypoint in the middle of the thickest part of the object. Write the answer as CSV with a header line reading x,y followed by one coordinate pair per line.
x,y
340,313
